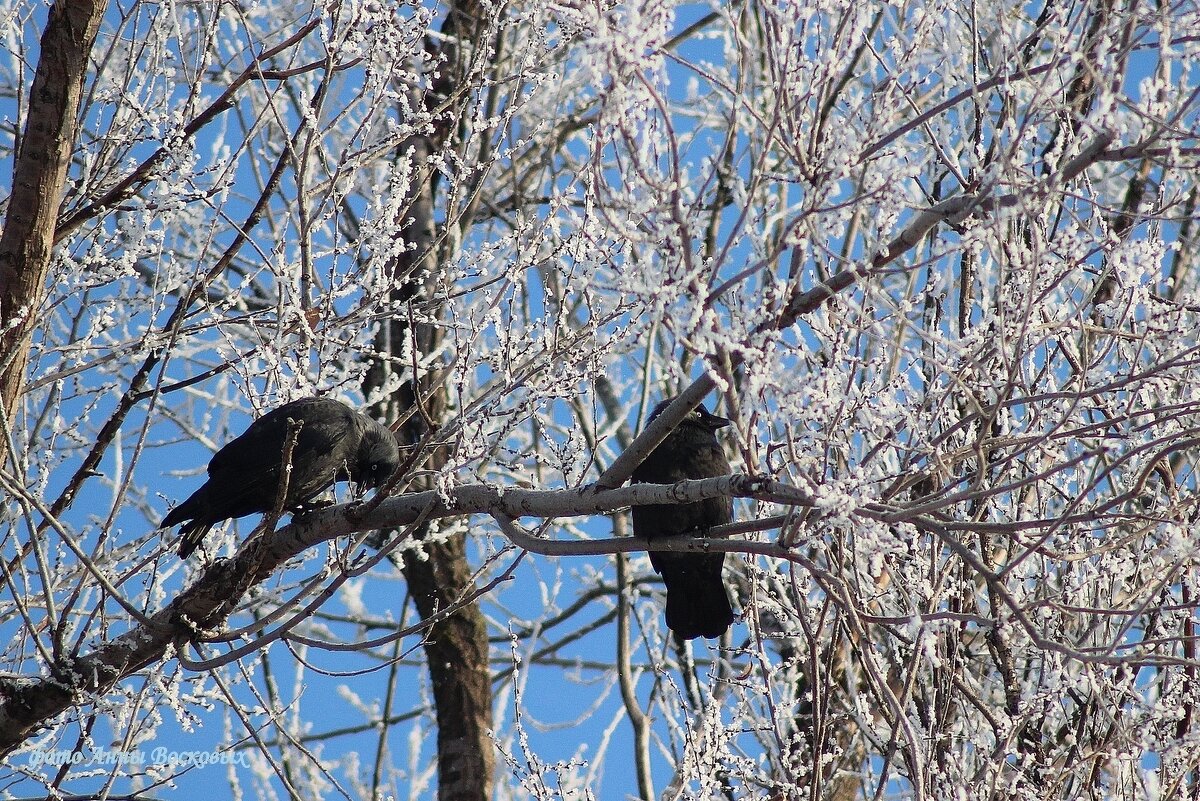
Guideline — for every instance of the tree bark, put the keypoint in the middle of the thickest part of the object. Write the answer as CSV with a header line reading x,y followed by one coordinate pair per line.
x,y
456,650
456,647
39,175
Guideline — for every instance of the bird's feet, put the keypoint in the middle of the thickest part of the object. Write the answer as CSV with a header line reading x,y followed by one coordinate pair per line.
x,y
308,507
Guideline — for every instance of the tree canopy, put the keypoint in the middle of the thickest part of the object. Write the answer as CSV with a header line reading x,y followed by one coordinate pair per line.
x,y
936,261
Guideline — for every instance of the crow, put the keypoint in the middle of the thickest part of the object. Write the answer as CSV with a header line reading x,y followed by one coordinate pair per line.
x,y
334,443
697,603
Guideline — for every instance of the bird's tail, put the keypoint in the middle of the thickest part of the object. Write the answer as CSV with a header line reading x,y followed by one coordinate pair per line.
x,y
697,603
194,517
175,516
190,536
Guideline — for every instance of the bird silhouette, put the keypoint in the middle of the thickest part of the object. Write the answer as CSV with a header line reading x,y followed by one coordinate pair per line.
x,y
697,603
334,443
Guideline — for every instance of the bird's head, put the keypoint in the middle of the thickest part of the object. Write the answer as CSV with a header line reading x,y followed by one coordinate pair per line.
x,y
700,416
378,457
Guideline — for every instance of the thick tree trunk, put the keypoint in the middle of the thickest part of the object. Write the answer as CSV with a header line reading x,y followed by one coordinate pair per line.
x,y
39,174
456,648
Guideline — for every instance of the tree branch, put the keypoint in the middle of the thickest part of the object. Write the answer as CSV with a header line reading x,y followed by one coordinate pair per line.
x,y
39,177
27,703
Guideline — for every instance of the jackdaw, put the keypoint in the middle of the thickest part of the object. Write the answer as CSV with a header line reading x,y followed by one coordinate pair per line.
x,y
697,604
334,443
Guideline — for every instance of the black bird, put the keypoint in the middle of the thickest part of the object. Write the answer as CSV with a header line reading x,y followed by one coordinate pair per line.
x,y
335,443
697,604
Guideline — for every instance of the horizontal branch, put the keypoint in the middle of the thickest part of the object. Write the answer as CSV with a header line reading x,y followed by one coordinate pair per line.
x,y
28,702
516,503
714,540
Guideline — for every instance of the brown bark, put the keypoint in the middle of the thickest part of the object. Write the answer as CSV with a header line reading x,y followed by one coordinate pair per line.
x,y
456,648
39,175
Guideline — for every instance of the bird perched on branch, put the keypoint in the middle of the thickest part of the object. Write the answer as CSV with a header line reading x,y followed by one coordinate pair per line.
x,y
332,442
697,603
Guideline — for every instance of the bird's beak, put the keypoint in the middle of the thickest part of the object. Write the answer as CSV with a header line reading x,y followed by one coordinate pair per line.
x,y
714,421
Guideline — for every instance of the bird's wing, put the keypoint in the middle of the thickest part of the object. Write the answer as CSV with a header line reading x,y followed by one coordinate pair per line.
x,y
255,455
